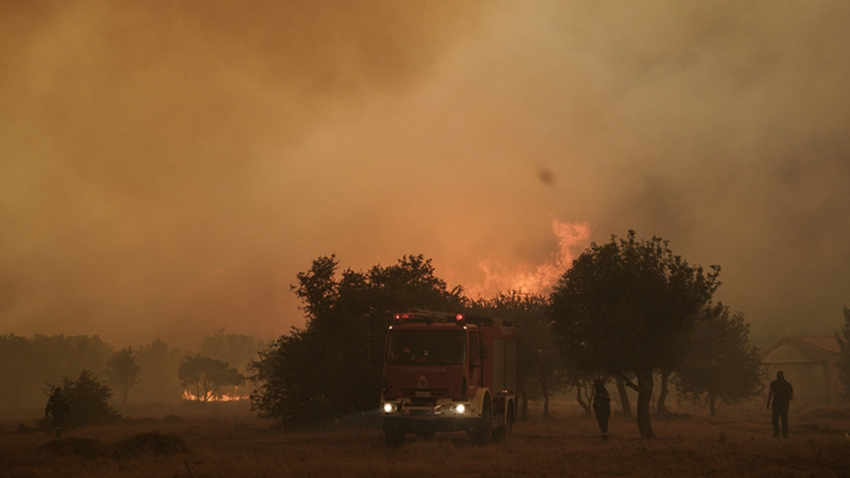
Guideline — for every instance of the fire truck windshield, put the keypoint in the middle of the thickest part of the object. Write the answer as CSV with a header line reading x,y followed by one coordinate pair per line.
x,y
444,347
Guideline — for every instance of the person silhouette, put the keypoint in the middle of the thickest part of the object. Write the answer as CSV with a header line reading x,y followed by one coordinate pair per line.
x,y
57,406
781,392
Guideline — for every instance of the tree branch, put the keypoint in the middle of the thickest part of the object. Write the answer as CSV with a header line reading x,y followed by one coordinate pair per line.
x,y
628,382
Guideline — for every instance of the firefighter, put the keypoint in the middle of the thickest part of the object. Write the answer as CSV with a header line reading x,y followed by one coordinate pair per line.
x,y
601,403
781,392
57,406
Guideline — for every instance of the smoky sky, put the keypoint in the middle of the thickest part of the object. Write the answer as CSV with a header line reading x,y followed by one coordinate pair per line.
x,y
167,168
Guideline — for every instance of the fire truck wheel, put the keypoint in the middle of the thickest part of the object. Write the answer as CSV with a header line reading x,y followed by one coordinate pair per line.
x,y
501,434
481,429
393,437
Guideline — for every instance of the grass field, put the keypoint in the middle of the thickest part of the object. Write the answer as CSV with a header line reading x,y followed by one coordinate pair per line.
x,y
225,440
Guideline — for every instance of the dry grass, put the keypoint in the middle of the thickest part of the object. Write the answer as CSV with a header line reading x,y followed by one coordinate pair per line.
x,y
230,442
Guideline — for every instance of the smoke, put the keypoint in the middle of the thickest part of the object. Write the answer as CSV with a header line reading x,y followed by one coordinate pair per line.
x,y
167,168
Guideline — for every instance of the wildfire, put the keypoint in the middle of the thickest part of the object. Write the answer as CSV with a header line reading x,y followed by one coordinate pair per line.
x,y
539,279
226,397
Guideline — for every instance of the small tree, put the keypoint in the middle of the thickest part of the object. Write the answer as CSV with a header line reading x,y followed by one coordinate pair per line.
x,y
721,366
332,367
122,371
627,308
207,376
88,400
843,338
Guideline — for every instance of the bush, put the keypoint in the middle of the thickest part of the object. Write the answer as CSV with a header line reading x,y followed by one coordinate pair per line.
x,y
88,401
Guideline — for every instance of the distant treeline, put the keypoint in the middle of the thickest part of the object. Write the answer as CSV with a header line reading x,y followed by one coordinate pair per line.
x,y
28,364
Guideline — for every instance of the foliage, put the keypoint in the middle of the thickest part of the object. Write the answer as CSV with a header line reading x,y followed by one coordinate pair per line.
x,y
158,380
722,365
26,363
122,371
627,308
541,370
88,400
332,366
235,349
843,364
208,375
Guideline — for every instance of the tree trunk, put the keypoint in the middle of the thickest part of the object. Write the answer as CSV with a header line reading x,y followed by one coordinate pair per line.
x,y
545,387
524,406
711,405
580,401
645,380
661,405
624,399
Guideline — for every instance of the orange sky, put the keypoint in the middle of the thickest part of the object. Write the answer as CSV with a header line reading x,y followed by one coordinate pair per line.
x,y
166,169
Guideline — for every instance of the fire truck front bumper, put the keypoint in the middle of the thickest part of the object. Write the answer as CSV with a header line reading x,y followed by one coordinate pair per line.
x,y
437,424
444,416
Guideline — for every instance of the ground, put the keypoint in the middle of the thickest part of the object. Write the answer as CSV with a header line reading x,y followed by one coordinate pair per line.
x,y
226,440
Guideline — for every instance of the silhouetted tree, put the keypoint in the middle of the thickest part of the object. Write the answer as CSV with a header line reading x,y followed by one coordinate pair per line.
x,y
236,349
26,363
122,371
88,400
721,365
843,364
582,383
208,376
627,308
159,365
16,370
332,366
622,393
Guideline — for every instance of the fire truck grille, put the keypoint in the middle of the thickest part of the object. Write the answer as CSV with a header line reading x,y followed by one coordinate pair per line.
x,y
424,392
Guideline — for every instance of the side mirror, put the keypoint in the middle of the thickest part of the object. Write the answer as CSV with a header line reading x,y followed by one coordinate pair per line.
x,y
482,351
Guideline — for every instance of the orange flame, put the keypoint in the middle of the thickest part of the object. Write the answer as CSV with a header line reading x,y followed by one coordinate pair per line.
x,y
535,280
187,395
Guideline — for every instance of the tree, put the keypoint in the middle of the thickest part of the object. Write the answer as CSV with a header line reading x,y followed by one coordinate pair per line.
x,y
88,400
207,375
15,369
26,363
235,349
541,371
627,308
122,371
722,365
330,368
844,360
159,364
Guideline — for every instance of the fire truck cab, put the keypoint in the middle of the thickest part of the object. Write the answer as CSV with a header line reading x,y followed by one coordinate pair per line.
x,y
449,372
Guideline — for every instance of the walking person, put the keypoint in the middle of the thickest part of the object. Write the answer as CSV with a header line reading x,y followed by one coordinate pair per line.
x,y
57,406
601,404
781,392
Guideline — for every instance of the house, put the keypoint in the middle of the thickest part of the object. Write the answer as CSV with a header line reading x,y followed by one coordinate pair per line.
x,y
809,363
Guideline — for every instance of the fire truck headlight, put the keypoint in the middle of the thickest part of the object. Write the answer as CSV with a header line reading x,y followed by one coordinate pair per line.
x,y
459,408
389,407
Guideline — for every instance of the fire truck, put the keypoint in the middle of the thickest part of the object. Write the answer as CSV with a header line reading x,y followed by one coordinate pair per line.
x,y
449,372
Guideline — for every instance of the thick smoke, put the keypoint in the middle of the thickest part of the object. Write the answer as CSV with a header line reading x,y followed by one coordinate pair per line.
x,y
167,168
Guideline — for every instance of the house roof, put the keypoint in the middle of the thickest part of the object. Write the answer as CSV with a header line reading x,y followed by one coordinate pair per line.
x,y
824,343
830,344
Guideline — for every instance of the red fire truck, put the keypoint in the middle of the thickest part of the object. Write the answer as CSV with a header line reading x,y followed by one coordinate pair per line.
x,y
449,372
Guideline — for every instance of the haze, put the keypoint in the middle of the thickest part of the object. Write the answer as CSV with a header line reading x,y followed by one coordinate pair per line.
x,y
167,168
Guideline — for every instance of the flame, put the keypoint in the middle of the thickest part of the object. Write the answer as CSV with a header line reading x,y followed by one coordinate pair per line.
x,y
535,280
226,397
